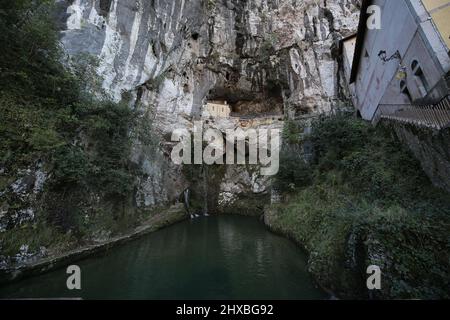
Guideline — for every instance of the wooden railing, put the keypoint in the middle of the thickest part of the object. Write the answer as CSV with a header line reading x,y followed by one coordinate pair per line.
x,y
435,116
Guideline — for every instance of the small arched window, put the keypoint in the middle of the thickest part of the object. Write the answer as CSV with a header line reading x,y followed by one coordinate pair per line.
x,y
404,89
421,80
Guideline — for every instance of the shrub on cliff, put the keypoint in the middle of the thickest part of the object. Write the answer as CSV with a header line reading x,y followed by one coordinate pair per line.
x,y
369,203
54,112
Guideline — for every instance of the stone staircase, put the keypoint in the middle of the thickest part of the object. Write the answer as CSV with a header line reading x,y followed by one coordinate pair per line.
x,y
435,116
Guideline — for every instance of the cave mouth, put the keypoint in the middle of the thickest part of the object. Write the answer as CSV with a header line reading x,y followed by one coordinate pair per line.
x,y
195,36
105,7
257,108
245,103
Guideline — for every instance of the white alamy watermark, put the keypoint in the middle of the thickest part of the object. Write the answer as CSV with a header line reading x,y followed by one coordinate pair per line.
x,y
374,19
253,147
74,280
374,280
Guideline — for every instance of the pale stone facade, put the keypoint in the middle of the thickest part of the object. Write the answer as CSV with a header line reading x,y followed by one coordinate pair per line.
x,y
217,109
440,12
405,62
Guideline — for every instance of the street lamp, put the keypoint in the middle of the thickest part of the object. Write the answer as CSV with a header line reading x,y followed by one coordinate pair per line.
x,y
383,56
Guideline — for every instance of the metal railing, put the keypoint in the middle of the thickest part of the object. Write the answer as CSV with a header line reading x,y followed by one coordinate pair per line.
x,y
274,116
435,116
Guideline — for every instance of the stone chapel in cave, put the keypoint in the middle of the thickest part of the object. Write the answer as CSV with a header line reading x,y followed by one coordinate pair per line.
x,y
217,109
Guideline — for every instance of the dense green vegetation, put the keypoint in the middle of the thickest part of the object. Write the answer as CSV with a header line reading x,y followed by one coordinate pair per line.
x,y
364,201
55,114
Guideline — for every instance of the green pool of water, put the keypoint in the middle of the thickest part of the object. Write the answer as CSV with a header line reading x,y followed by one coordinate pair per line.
x,y
219,257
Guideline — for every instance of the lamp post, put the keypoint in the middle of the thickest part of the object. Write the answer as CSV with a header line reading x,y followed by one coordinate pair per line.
x,y
383,56
401,74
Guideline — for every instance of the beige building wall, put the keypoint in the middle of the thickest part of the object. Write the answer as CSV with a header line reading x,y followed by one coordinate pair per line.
x,y
440,12
217,110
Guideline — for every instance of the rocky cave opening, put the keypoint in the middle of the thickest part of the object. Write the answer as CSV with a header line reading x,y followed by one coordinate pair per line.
x,y
250,104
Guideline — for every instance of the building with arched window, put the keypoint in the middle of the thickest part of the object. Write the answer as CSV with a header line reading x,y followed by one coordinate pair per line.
x,y
398,71
404,62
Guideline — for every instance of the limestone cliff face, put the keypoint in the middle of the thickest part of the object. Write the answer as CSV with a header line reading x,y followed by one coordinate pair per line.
x,y
173,54
167,57
272,56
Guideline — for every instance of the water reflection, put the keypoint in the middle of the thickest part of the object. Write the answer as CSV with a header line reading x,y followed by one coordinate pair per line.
x,y
227,257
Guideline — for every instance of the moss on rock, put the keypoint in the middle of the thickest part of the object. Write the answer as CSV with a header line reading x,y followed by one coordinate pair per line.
x,y
369,203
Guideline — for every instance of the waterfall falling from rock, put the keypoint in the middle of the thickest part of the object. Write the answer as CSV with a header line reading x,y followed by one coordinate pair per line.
x,y
186,203
205,190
